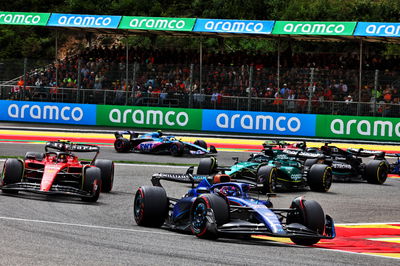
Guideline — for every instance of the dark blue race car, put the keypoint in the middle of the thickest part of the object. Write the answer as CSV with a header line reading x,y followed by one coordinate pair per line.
x,y
158,143
219,207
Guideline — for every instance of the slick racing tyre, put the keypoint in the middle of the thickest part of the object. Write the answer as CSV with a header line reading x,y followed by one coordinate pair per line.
x,y
176,149
150,206
122,145
267,176
12,173
92,183
320,177
107,174
207,166
201,143
310,214
31,155
201,224
376,172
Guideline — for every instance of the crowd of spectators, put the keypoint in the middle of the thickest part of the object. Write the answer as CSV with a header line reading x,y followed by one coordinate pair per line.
x,y
165,72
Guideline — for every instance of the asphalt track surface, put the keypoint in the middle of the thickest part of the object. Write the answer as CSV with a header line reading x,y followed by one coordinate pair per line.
x,y
40,230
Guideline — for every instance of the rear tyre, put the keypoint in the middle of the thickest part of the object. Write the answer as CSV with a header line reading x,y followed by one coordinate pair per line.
x,y
176,149
92,183
201,143
207,166
310,214
267,176
310,162
107,174
122,145
204,223
320,177
12,173
151,206
376,172
31,155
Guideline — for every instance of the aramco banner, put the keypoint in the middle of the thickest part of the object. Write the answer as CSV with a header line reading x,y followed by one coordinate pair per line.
x,y
23,18
157,23
84,21
234,26
379,29
314,28
358,127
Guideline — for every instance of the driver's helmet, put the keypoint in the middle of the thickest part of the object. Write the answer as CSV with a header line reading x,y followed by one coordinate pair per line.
x,y
62,158
326,149
159,133
230,191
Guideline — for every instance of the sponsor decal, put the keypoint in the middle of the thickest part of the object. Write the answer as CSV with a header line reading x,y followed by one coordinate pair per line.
x,y
353,127
379,29
128,116
85,21
146,146
314,28
259,122
48,112
23,18
341,166
234,26
157,23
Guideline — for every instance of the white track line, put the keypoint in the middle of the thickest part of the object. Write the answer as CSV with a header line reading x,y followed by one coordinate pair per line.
x,y
85,225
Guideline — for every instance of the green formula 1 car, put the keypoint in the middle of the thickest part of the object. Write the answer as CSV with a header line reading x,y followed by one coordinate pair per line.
x,y
278,170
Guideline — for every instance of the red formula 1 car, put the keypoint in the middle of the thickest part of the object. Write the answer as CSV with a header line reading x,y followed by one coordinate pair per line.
x,y
59,171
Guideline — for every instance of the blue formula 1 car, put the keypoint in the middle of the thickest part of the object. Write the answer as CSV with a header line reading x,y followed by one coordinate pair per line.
x,y
219,207
158,143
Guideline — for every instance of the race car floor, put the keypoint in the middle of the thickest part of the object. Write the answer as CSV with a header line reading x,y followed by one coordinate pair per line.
x,y
370,239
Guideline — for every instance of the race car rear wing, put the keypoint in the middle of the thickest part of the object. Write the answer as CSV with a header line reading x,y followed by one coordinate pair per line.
x,y
67,146
121,133
379,155
303,155
188,177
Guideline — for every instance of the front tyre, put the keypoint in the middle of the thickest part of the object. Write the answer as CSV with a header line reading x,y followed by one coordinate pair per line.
x,y
310,214
151,206
107,174
208,212
207,166
267,176
320,177
376,172
12,173
92,184
177,149
201,143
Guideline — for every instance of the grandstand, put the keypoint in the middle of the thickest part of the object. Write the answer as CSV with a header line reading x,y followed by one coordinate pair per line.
x,y
321,83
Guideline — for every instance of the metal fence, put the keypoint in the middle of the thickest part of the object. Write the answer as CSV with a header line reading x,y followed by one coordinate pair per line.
x,y
198,101
241,87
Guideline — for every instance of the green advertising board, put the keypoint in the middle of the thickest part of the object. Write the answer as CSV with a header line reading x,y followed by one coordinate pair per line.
x,y
358,127
23,18
157,23
149,117
314,28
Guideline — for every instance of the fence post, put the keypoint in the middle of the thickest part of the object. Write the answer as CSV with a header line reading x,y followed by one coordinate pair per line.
x,y
78,98
191,86
375,89
310,90
22,94
250,88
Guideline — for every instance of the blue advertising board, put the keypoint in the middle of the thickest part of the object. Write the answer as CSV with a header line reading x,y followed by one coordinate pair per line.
x,y
379,29
259,122
234,26
46,112
85,21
